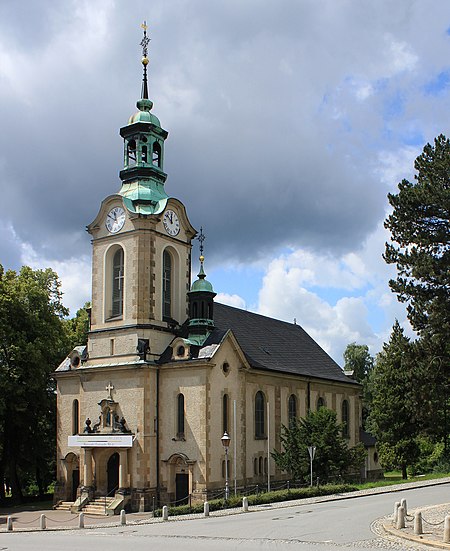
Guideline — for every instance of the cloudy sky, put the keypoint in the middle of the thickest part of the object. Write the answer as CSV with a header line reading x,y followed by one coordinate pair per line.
x,y
289,122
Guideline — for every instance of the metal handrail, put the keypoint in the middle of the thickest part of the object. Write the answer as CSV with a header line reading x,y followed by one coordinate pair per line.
x,y
108,494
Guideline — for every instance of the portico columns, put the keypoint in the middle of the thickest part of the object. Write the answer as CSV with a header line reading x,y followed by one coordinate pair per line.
x,y
123,469
87,467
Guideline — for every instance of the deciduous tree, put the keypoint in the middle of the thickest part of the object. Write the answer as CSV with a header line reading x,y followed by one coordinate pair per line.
x,y
32,342
333,456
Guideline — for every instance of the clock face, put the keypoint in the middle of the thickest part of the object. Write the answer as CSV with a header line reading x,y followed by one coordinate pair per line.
x,y
171,223
115,219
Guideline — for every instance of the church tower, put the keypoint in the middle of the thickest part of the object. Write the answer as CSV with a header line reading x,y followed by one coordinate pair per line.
x,y
141,241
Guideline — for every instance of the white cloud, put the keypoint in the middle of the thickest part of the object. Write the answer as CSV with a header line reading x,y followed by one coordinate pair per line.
x,y
231,300
401,56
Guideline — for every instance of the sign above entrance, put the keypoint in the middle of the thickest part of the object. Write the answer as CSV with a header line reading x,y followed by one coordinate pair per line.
x,y
101,441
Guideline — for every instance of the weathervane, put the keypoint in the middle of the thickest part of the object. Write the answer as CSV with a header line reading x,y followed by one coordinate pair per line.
x,y
144,43
201,238
145,40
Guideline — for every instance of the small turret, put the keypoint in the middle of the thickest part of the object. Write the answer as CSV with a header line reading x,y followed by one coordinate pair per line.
x,y
201,303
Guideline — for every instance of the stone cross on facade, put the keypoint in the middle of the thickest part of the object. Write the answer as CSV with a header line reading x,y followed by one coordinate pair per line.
x,y
109,387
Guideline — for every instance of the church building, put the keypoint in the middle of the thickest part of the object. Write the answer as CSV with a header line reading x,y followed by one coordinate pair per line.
x,y
143,408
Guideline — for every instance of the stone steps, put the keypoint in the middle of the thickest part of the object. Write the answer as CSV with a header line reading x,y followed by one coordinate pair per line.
x,y
97,506
64,505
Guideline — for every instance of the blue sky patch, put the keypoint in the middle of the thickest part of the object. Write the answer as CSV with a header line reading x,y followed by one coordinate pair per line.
x,y
438,85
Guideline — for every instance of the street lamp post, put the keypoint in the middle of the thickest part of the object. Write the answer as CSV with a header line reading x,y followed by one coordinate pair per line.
x,y
312,453
226,444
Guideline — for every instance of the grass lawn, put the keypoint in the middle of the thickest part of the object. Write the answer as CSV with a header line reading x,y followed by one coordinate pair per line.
x,y
395,477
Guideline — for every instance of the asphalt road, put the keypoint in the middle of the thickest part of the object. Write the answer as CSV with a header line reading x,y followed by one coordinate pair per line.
x,y
343,524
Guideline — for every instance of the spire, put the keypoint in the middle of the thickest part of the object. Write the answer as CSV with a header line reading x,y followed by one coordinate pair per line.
x,y
144,43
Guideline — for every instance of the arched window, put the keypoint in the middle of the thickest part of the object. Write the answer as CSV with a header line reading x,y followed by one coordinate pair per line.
x,y
167,285
225,411
260,407
292,408
320,403
265,465
260,465
156,158
144,153
75,417
117,283
255,466
180,416
345,419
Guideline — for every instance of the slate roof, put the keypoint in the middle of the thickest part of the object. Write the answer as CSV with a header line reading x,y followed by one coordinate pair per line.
x,y
275,345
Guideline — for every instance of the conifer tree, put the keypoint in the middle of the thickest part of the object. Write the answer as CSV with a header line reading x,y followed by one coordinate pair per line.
x,y
394,417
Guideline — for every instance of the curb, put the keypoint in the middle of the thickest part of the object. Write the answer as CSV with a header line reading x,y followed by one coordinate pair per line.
x,y
262,507
416,539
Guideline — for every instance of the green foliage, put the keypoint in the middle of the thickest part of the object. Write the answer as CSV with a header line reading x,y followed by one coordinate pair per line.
x,y
261,498
420,250
32,342
420,231
358,360
77,328
394,416
333,457
431,456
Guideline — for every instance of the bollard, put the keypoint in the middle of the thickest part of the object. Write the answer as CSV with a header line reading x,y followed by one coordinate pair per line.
x,y
418,528
165,513
400,518
206,509
446,538
81,520
396,506
403,504
245,504
42,523
9,524
123,518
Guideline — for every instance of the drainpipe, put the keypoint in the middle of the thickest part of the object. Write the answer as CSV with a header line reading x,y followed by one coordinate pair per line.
x,y
309,396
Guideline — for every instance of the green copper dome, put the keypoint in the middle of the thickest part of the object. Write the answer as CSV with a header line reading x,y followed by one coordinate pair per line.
x,y
144,115
202,284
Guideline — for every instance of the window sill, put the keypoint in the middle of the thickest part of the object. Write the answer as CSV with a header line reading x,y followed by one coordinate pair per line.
x,y
260,437
114,318
179,438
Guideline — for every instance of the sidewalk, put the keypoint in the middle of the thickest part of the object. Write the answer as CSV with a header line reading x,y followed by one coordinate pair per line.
x,y
29,520
432,523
